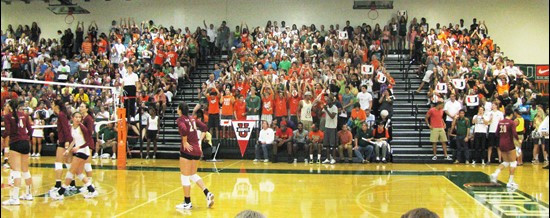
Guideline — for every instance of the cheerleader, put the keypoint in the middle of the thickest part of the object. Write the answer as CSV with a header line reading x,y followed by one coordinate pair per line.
x,y
38,135
80,149
17,134
64,140
88,121
190,153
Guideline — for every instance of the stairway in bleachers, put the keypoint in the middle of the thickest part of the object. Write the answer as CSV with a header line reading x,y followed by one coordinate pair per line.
x,y
411,135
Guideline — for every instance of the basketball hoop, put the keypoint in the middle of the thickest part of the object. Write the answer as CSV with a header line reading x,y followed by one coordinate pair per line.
x,y
69,18
373,13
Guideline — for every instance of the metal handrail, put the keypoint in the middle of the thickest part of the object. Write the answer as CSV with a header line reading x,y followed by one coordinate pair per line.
x,y
419,126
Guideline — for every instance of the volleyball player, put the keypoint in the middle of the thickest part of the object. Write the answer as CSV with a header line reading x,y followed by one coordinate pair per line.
x,y
18,133
89,122
190,153
64,140
506,132
80,147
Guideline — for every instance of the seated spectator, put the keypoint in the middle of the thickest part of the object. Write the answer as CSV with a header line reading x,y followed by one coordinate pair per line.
x,y
316,142
345,140
283,138
362,143
299,140
266,139
107,138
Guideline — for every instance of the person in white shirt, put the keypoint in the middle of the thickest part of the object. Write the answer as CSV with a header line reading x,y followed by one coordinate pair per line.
x,y
180,73
212,35
267,136
371,119
364,98
480,122
153,126
494,117
131,84
544,131
451,109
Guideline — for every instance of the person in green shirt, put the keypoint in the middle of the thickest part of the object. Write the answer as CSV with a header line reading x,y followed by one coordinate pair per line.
x,y
106,137
285,63
253,104
461,127
363,144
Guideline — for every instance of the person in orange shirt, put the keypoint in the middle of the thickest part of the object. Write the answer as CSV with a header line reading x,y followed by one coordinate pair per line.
x,y
87,46
267,103
293,103
281,108
316,137
213,99
227,111
102,45
240,108
241,87
173,57
358,116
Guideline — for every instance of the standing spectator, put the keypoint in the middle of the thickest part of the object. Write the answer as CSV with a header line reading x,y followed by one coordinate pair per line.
x,y
304,111
212,35
495,116
267,103
538,139
364,98
543,130
345,139
331,123
316,137
266,138
223,37
283,138
362,144
434,119
299,139
480,122
461,125
131,86
520,129
214,112
253,105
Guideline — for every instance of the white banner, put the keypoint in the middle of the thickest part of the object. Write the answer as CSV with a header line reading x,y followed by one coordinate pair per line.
x,y
459,83
225,122
381,78
441,88
472,100
342,35
367,69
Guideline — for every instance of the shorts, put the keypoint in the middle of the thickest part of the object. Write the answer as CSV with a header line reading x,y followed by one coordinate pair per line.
x,y
492,140
427,76
385,41
506,148
330,138
268,118
61,145
152,134
307,124
213,120
518,143
300,145
438,135
22,147
83,153
188,156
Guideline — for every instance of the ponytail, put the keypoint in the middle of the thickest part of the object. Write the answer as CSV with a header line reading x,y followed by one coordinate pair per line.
x,y
13,105
62,108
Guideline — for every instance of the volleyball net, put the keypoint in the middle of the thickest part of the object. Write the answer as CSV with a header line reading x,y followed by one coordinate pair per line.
x,y
113,105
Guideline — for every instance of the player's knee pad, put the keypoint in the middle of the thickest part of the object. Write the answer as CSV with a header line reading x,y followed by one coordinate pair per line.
x,y
80,176
506,164
195,177
26,175
58,166
88,167
514,164
185,180
69,176
15,174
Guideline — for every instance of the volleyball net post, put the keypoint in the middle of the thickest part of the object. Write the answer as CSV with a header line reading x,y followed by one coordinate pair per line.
x,y
122,132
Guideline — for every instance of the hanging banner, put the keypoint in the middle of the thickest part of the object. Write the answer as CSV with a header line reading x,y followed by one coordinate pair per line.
x,y
542,72
472,100
242,131
441,88
367,69
528,71
459,83
225,122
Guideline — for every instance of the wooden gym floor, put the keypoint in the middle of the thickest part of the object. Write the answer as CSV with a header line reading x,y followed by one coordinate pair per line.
x,y
152,188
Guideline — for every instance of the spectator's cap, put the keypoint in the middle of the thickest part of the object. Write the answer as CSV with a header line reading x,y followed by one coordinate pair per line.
x,y
307,93
233,48
284,55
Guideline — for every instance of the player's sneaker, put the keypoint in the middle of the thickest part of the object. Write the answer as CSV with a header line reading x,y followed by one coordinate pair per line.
x,y
54,194
255,160
210,200
11,201
184,206
26,197
95,156
493,178
91,195
326,161
332,161
434,158
266,160
72,189
511,186
448,158
83,189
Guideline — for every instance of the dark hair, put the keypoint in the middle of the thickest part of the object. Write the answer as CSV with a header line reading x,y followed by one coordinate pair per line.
x,y
184,108
13,105
90,110
420,212
508,111
62,107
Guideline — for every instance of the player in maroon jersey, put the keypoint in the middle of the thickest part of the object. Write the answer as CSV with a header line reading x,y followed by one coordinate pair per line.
x,y
18,132
506,132
190,153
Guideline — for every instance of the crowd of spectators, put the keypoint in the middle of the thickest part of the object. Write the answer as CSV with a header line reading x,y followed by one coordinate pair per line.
x,y
305,83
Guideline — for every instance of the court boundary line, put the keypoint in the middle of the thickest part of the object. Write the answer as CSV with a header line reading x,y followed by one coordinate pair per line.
x,y
471,197
165,194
